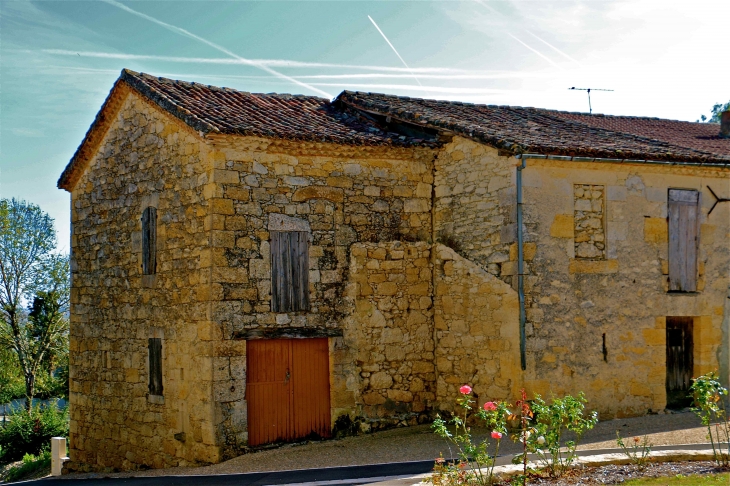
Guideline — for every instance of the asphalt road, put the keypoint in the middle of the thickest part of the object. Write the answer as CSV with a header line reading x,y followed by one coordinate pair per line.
x,y
333,475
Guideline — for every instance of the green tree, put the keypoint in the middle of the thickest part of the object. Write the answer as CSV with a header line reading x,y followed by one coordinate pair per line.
x,y
715,113
11,379
34,288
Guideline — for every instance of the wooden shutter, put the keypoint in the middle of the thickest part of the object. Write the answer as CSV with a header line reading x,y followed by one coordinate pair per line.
x,y
289,271
149,241
155,357
683,214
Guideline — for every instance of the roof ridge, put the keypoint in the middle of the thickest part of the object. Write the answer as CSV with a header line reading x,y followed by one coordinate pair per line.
x,y
218,88
518,107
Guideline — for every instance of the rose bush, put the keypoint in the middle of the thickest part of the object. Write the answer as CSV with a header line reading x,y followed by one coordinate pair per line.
x,y
709,404
475,457
545,436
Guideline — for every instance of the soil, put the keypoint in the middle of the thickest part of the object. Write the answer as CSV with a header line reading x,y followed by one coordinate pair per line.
x,y
619,474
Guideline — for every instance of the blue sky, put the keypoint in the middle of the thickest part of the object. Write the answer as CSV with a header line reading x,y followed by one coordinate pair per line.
x,y
58,60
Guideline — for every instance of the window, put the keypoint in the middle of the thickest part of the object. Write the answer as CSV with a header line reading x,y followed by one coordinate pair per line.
x,y
155,357
683,212
289,271
149,241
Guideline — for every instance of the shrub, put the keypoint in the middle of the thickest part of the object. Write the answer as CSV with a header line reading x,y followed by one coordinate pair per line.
x,y
708,393
476,464
31,432
545,438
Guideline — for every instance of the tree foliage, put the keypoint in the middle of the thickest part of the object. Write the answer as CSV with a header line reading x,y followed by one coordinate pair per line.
x,y
12,384
34,289
715,113
30,431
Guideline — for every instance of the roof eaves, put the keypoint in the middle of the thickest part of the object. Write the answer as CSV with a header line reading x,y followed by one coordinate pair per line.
x,y
103,118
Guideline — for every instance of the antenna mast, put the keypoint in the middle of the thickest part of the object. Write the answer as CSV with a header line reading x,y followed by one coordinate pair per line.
x,y
590,108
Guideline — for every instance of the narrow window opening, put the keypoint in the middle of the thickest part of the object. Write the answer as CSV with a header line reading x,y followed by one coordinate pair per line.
x,y
149,241
155,357
289,271
605,349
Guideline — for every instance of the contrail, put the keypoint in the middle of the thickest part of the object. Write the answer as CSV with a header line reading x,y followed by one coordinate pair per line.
x,y
355,76
491,9
506,75
536,52
393,47
413,87
554,48
186,33
262,62
488,7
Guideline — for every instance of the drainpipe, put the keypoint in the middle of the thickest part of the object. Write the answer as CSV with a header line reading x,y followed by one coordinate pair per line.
x,y
521,265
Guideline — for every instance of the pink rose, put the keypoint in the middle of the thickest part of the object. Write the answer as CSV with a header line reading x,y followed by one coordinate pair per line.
x,y
496,435
490,406
465,390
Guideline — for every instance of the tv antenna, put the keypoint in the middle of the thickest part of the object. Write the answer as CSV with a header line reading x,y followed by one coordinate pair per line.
x,y
590,108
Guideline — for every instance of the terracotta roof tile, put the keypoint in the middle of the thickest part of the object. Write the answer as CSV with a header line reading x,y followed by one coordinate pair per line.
x,y
210,109
228,111
549,132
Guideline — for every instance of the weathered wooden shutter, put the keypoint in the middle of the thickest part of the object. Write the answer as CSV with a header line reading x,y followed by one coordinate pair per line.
x,y
149,241
155,356
683,214
289,271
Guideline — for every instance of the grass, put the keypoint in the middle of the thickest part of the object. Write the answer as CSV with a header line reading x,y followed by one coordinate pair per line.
x,y
30,467
682,480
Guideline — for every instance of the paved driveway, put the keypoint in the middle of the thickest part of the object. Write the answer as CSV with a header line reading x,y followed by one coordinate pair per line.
x,y
417,446
351,475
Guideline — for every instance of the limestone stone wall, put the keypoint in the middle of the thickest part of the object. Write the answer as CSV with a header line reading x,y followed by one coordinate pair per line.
x,y
618,292
343,196
474,205
146,159
589,233
595,267
476,331
391,333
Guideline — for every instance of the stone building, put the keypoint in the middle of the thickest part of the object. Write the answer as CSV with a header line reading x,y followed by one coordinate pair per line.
x,y
249,268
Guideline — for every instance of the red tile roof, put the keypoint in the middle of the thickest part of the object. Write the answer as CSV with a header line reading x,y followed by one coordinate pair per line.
x,y
210,109
549,132
228,111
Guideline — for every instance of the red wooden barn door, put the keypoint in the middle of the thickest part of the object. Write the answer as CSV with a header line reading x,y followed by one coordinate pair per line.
x,y
267,391
287,389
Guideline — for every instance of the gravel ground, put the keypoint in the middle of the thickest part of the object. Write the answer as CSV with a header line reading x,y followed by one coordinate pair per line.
x,y
619,474
419,443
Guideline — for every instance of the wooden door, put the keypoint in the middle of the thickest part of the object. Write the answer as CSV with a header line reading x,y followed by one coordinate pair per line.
x,y
679,361
287,390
